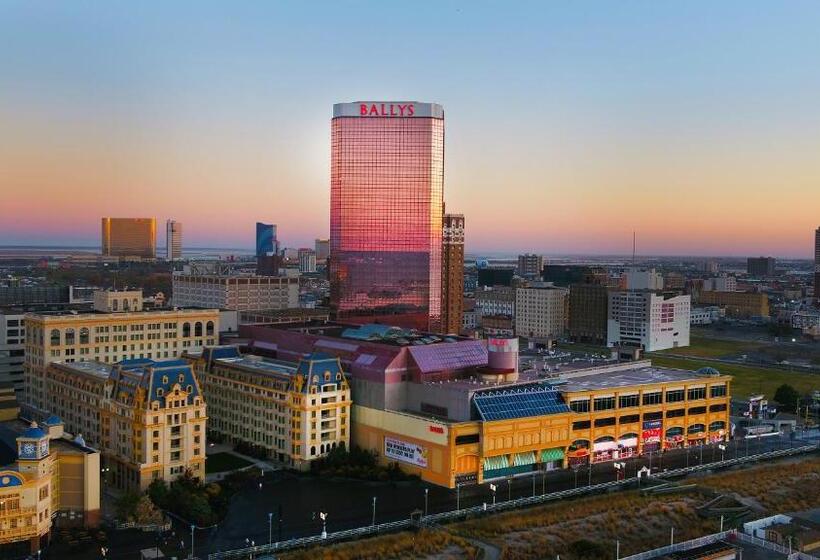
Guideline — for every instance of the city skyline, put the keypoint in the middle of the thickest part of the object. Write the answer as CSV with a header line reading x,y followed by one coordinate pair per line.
x,y
694,125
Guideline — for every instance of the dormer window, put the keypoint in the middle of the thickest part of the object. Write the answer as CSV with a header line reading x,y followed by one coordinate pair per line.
x,y
190,389
327,376
160,392
164,379
181,378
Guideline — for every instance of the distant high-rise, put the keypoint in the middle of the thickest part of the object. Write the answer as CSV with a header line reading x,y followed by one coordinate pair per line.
x,y
322,248
530,266
817,266
452,278
386,212
760,266
307,260
266,242
129,237
173,240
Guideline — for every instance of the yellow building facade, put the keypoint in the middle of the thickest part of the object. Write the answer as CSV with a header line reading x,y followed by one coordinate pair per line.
x,y
129,237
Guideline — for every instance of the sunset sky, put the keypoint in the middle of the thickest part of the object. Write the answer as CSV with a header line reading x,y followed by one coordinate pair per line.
x,y
568,124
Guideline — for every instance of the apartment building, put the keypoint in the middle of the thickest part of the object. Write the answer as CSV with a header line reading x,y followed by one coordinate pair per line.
x,y
541,311
497,300
295,413
739,305
722,283
235,292
146,416
117,329
646,320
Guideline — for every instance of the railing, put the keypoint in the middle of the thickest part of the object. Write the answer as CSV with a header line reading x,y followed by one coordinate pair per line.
x,y
763,543
677,547
453,515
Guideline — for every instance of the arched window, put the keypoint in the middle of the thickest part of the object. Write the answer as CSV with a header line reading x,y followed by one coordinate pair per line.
x,y
115,305
717,426
125,304
312,450
69,336
135,304
198,329
186,330
55,337
209,328
322,448
84,335
696,428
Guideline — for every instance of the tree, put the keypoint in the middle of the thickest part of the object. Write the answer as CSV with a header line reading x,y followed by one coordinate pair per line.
x,y
126,506
787,396
145,513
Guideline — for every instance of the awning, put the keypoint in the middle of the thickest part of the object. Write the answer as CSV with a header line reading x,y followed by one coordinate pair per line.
x,y
554,454
527,458
604,445
628,442
493,463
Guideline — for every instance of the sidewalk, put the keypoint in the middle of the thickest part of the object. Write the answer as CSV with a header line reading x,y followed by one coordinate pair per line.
x,y
264,466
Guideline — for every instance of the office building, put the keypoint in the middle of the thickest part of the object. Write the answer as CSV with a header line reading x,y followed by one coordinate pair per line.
x,y
643,279
565,275
129,237
173,240
452,277
588,305
458,411
386,212
307,261
25,295
705,315
488,277
530,266
146,416
541,311
266,241
322,248
292,412
710,266
52,481
117,329
674,282
761,266
236,292
722,283
738,305
646,320
498,300
12,348
817,266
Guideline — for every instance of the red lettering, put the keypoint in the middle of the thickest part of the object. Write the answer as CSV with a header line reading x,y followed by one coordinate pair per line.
x,y
401,109
374,110
437,429
410,110
363,109
392,110
383,113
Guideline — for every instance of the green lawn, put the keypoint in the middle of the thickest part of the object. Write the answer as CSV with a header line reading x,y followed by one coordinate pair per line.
x,y
713,348
747,379
221,462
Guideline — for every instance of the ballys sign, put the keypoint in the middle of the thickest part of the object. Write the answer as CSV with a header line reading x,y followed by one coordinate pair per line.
x,y
386,110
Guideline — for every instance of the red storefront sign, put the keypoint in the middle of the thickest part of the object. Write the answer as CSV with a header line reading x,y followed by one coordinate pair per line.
x,y
386,110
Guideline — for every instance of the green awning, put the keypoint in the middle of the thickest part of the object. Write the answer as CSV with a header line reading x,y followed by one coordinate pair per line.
x,y
554,454
527,458
499,462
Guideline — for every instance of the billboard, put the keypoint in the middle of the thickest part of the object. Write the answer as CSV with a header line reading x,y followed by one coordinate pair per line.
x,y
651,431
405,452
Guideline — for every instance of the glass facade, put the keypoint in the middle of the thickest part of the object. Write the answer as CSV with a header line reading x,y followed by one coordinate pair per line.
x,y
386,217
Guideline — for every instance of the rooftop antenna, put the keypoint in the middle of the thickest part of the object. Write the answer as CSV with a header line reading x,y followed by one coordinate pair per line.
x,y
634,246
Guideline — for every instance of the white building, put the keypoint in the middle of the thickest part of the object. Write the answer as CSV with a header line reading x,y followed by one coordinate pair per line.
x,y
806,320
643,279
647,320
173,240
236,292
722,283
705,315
498,300
307,261
541,311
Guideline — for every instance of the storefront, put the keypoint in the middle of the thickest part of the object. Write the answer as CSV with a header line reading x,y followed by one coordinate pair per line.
x,y
604,449
627,446
651,436
578,453
717,432
503,466
696,434
674,438
552,459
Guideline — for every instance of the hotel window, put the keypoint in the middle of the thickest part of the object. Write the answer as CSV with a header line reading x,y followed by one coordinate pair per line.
x,y
653,416
652,398
604,403
675,396
628,401
697,393
601,422
582,425
717,391
676,413
579,405
717,408
697,410
629,418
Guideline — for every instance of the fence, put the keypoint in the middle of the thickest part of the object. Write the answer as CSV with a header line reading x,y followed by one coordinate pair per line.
x,y
677,547
454,515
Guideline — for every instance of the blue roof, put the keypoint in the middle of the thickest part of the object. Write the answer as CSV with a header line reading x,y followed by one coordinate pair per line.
x,y
34,432
316,365
53,420
211,353
521,402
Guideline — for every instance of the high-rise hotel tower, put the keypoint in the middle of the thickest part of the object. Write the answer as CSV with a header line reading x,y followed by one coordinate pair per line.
x,y
817,266
386,212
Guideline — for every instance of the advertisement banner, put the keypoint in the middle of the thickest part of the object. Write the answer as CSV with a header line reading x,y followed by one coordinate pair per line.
x,y
405,451
651,431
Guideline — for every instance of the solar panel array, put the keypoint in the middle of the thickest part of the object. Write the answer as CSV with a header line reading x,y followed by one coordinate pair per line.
x,y
522,402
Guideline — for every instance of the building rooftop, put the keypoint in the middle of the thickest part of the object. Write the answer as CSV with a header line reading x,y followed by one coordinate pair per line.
x,y
519,402
93,312
578,382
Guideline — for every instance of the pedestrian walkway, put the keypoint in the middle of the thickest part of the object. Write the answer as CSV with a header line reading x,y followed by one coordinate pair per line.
x,y
262,465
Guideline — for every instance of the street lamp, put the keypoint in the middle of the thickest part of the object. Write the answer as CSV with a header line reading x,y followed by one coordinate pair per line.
x,y
722,451
426,492
619,468
270,528
374,511
458,496
493,488
192,539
